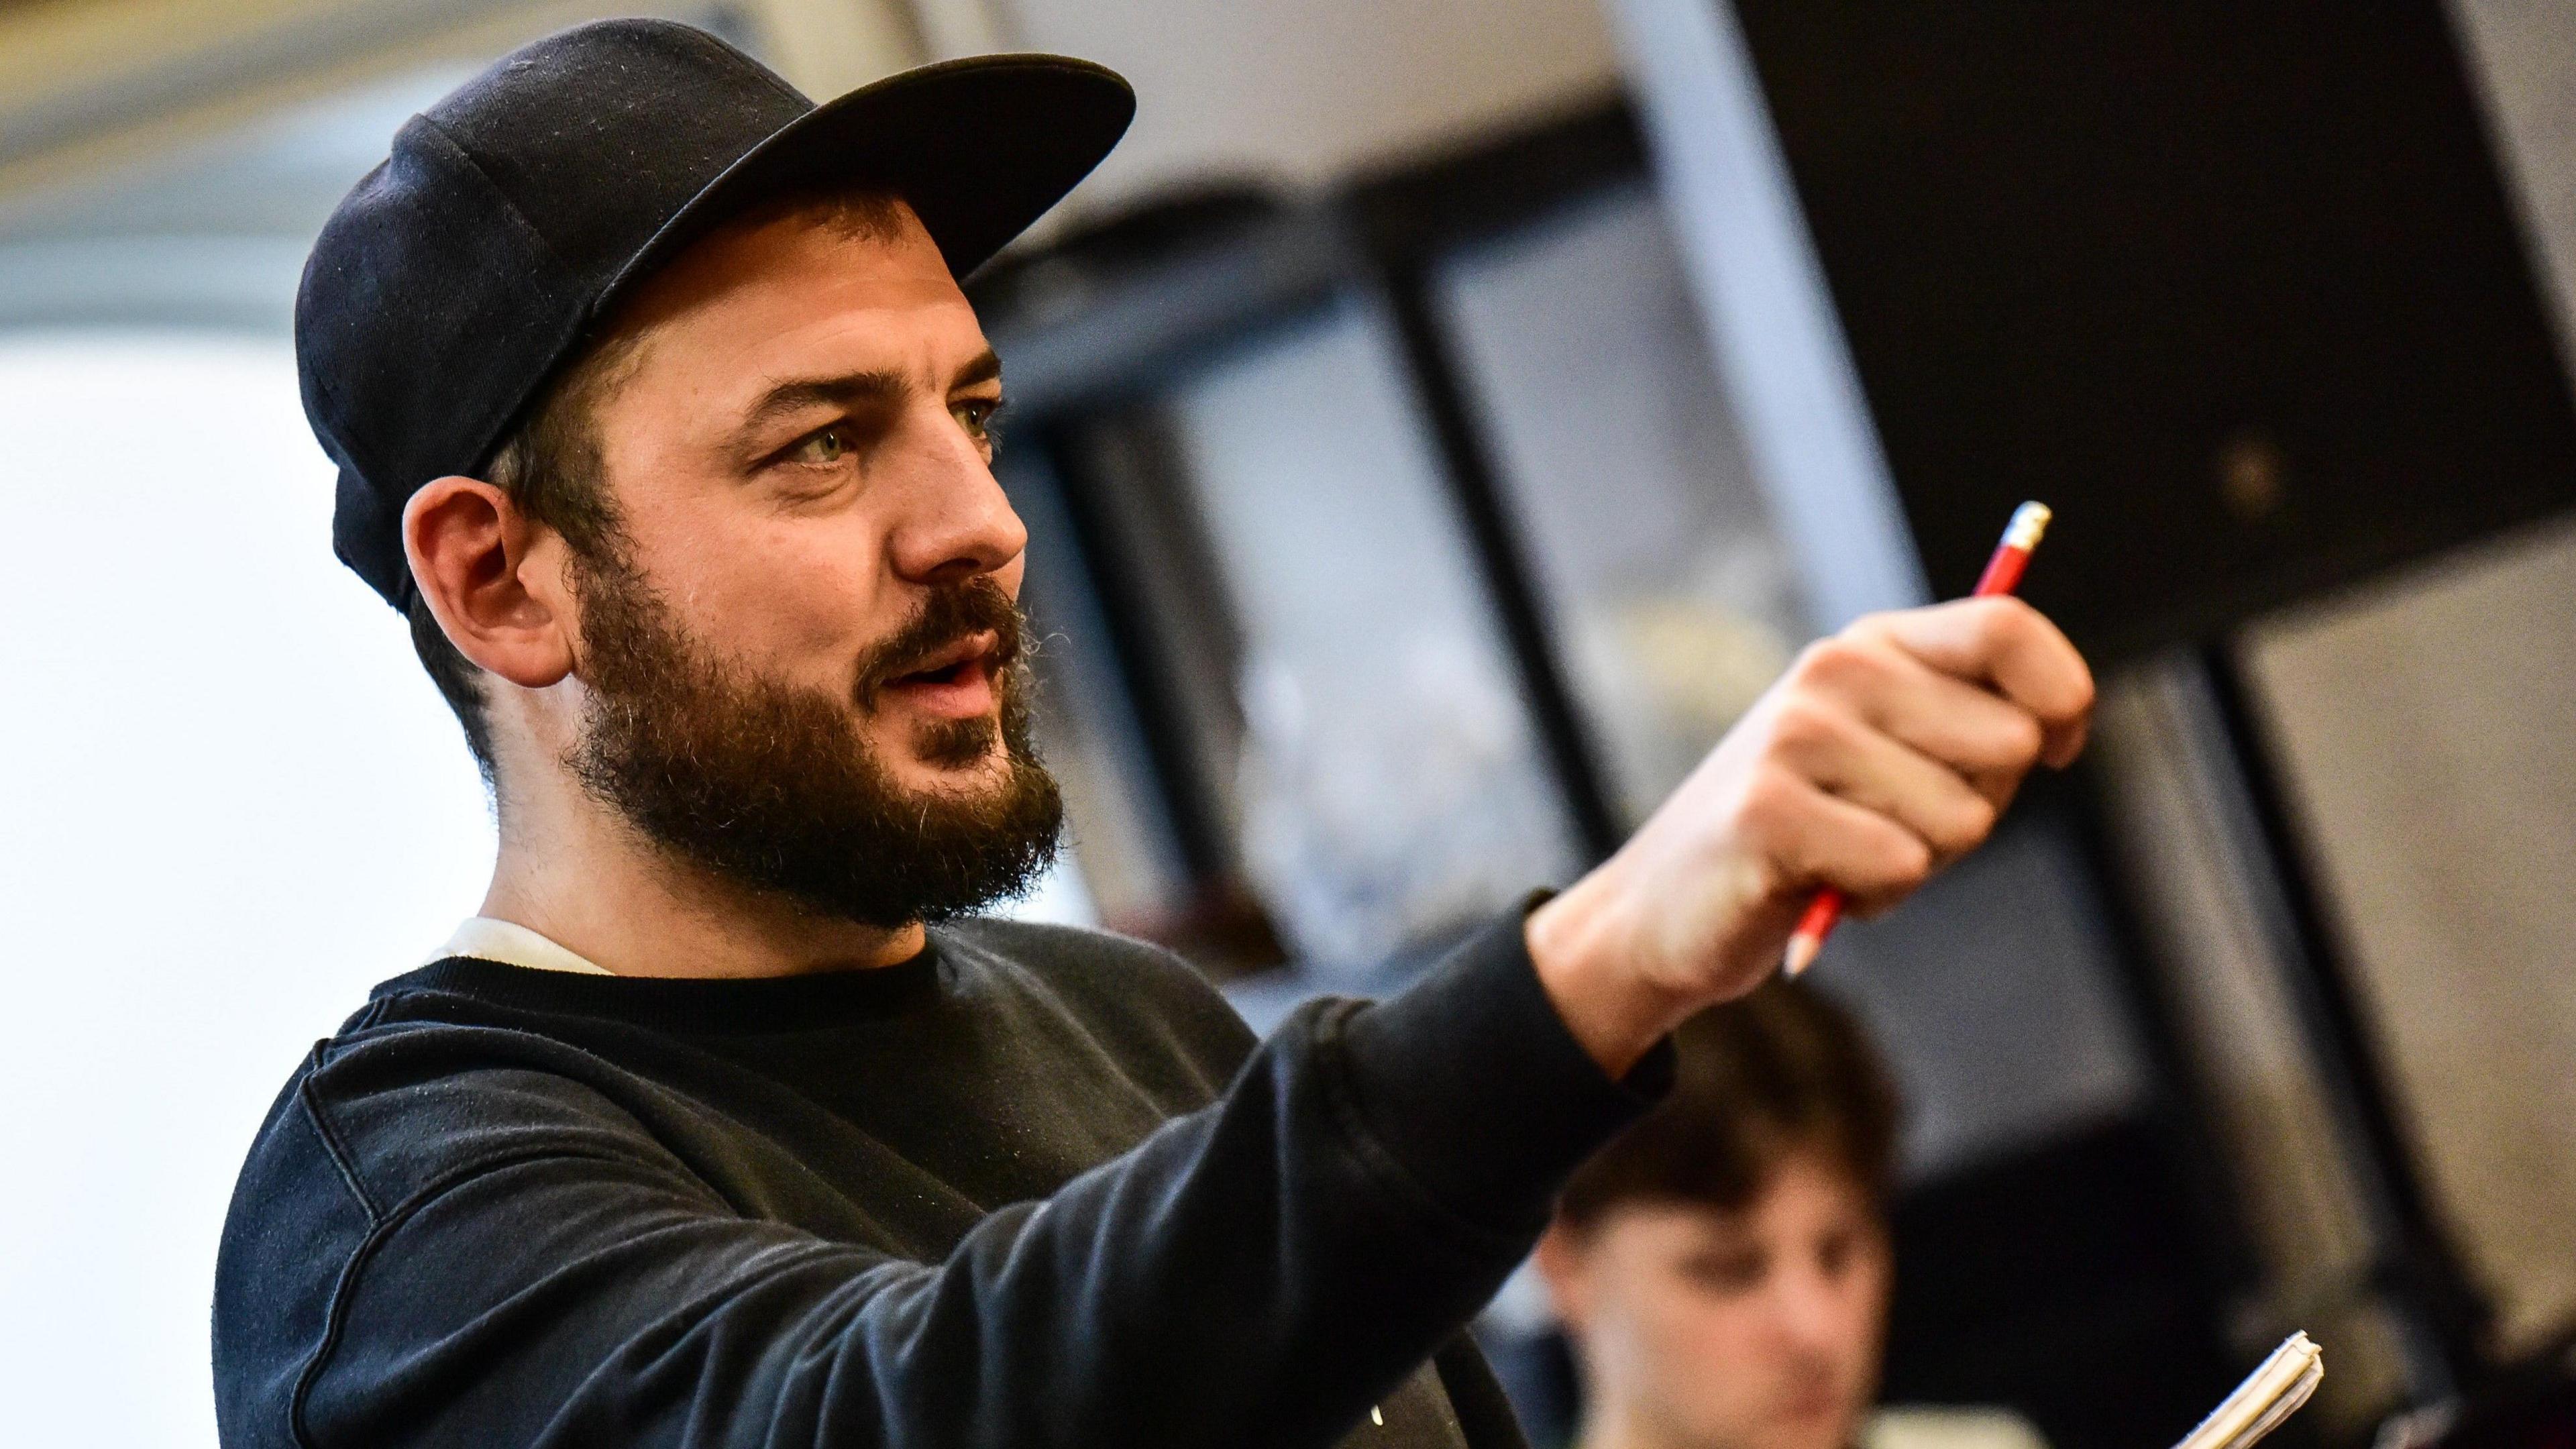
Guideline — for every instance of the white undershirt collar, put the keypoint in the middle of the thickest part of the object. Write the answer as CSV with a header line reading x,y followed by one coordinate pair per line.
x,y
487,938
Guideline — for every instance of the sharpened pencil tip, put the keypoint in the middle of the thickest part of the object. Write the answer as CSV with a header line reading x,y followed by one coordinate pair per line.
x,y
1802,953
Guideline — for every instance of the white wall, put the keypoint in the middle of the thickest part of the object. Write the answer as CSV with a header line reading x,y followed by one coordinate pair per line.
x,y
232,803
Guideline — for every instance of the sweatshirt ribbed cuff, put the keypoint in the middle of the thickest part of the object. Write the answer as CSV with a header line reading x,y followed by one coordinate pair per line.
x,y
1471,1080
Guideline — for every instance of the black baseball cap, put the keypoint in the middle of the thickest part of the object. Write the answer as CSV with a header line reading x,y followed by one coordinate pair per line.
x,y
463,272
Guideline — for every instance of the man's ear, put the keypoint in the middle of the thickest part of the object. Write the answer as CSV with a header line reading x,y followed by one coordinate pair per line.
x,y
492,578
1561,1264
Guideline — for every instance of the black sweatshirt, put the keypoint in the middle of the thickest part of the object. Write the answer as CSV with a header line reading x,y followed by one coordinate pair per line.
x,y
1036,1186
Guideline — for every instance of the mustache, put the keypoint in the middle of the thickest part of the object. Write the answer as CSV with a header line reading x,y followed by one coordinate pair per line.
x,y
949,615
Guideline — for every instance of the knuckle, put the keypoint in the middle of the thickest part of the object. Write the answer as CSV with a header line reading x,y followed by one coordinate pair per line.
x,y
1763,877
2000,623
1919,863
1813,664
2022,739
1834,664
1908,863
1768,803
1778,818
1970,823
1801,724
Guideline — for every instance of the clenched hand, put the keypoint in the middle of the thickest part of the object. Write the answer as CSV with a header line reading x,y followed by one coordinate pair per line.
x,y
1885,752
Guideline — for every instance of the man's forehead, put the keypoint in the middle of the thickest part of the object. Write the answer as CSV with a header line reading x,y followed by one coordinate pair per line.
x,y
811,274
802,295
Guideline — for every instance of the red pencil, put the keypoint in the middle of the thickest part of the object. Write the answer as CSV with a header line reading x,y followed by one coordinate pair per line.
x,y
2002,576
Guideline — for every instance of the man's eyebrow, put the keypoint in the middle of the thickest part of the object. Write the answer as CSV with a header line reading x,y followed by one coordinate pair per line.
x,y
986,366
800,394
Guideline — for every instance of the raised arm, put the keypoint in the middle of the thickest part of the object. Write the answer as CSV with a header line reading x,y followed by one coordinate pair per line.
x,y
573,1270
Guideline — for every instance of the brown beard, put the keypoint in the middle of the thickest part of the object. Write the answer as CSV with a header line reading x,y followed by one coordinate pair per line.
x,y
776,788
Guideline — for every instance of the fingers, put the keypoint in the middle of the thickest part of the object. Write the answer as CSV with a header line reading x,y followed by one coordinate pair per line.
x,y
1973,731
1846,757
1813,838
1925,722
2006,646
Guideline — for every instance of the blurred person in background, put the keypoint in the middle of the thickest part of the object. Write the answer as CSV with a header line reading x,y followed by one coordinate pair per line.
x,y
1722,1267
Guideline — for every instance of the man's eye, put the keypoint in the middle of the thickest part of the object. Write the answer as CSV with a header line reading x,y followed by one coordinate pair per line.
x,y
828,446
975,414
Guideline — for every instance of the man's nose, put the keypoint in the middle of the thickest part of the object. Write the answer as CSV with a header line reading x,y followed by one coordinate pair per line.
x,y
958,524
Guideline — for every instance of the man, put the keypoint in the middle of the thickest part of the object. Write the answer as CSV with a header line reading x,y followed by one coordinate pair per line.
x,y
1722,1266
659,411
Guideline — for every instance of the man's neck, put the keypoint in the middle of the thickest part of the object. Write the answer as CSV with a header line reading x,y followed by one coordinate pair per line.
x,y
580,877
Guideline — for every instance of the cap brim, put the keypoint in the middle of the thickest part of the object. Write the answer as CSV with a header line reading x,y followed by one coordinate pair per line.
x,y
980,148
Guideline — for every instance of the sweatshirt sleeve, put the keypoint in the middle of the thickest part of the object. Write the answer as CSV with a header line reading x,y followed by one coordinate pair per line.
x,y
1258,1272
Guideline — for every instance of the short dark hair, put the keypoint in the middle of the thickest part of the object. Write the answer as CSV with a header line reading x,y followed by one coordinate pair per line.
x,y
1781,1071
551,464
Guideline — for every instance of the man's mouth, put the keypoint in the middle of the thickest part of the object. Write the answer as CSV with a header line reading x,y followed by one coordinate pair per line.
x,y
956,682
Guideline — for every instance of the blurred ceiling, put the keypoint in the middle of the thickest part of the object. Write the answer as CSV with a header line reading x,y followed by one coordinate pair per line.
x,y
87,84
166,162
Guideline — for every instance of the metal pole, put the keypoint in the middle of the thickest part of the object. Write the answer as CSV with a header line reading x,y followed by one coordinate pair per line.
x,y
2441,1316
1500,554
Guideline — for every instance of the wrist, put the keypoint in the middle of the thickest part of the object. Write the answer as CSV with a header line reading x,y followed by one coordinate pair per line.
x,y
1588,964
